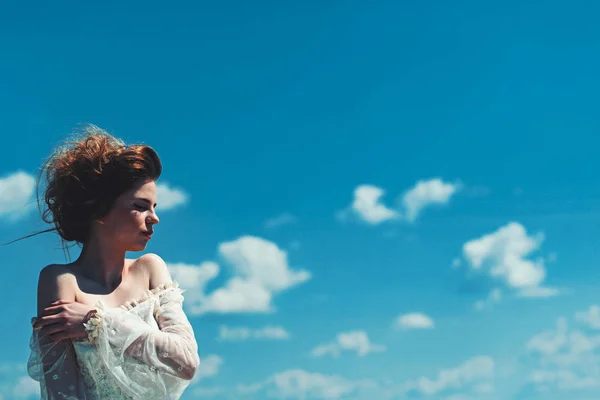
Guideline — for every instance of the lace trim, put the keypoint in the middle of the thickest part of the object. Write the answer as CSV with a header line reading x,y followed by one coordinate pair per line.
x,y
148,294
94,324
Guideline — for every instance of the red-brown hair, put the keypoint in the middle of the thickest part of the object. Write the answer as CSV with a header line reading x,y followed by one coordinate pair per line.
x,y
84,177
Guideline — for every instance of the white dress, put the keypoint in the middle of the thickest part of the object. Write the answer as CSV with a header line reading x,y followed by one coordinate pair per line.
x,y
144,349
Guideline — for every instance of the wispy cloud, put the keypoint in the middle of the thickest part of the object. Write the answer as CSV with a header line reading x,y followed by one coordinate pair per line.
x,y
356,341
243,333
567,358
280,220
16,195
168,197
538,291
368,205
493,297
591,317
427,193
469,380
207,392
25,387
414,320
470,375
209,366
301,384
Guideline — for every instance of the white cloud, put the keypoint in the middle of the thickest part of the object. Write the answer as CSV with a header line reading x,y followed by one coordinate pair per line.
x,y
425,194
193,279
549,342
237,296
260,270
242,333
207,392
470,374
472,379
249,389
414,321
493,297
504,252
282,219
12,367
168,198
567,358
485,387
562,379
16,195
538,291
26,387
591,318
208,367
356,341
261,261
458,397
193,276
368,206
301,385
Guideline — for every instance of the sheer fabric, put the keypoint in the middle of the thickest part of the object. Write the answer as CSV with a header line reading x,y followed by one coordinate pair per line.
x,y
145,349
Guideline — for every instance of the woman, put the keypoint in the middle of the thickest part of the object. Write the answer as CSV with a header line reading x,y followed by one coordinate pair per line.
x,y
108,327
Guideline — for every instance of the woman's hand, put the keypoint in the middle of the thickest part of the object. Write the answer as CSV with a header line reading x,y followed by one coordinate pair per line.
x,y
63,319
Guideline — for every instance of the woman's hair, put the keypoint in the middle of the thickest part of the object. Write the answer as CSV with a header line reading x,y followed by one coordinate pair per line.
x,y
85,175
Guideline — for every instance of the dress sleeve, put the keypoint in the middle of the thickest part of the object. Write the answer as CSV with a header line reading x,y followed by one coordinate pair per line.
x,y
143,358
54,366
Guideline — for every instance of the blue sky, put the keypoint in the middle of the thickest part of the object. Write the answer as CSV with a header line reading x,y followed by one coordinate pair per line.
x,y
403,194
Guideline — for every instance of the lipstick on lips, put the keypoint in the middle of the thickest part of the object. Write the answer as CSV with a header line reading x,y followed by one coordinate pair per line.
x,y
148,234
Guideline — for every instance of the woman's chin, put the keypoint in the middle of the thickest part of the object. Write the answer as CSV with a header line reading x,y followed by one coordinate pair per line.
x,y
138,247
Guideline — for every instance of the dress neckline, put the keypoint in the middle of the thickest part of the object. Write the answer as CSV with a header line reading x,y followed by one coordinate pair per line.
x,y
131,304
149,293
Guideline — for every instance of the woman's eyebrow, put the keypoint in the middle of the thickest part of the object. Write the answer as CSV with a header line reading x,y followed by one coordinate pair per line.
x,y
146,200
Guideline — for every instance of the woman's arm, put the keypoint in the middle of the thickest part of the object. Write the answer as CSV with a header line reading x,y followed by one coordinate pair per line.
x,y
54,364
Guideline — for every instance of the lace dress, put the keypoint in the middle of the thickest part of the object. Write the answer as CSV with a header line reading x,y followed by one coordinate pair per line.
x,y
144,349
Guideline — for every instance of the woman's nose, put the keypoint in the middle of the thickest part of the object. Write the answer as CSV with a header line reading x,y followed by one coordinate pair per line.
x,y
153,218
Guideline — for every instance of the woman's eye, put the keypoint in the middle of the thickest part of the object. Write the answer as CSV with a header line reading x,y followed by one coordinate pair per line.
x,y
141,208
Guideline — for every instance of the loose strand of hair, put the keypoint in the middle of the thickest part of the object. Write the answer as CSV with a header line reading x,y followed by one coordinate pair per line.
x,y
28,236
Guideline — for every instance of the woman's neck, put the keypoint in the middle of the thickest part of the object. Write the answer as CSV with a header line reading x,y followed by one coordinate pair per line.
x,y
102,263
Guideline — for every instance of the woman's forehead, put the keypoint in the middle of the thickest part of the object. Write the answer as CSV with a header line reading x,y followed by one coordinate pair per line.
x,y
143,189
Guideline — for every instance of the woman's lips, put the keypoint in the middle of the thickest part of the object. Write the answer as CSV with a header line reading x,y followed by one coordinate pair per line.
x,y
147,234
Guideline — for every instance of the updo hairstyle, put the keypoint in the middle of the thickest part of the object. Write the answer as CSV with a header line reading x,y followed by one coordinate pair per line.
x,y
85,175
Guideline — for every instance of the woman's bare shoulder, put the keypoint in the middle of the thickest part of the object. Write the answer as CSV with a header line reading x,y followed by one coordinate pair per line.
x,y
156,269
56,282
56,273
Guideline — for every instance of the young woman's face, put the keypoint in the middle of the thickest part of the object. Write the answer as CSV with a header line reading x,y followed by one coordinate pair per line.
x,y
130,221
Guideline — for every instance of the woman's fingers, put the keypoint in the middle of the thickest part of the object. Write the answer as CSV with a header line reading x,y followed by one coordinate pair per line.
x,y
47,320
53,310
